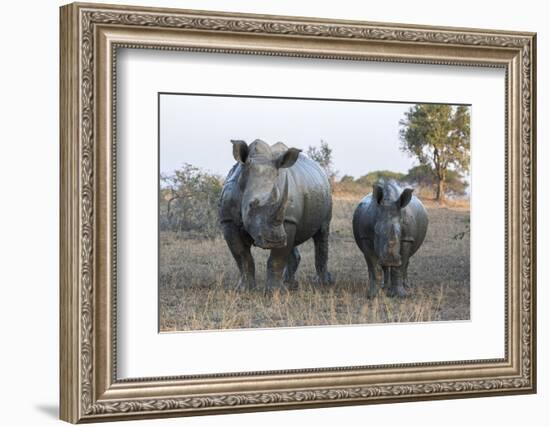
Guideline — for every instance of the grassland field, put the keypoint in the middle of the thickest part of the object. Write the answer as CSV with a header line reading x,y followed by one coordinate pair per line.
x,y
197,276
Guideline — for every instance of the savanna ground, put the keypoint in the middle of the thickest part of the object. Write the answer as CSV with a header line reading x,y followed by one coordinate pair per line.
x,y
197,276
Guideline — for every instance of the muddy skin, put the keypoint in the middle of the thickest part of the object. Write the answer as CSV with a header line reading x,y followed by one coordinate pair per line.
x,y
275,198
389,226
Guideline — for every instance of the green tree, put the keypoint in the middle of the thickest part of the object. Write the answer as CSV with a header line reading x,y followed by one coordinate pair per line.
x,y
323,156
439,136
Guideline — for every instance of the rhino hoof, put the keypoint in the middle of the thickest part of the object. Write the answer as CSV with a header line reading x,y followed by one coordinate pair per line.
x,y
243,285
291,284
372,292
325,279
398,291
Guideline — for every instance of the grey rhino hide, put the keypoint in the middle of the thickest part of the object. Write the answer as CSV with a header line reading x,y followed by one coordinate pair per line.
x,y
389,226
275,198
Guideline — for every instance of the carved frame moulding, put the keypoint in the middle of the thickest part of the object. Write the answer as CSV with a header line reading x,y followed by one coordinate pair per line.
x,y
91,34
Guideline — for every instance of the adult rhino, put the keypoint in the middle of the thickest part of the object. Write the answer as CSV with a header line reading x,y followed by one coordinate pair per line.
x,y
389,226
275,198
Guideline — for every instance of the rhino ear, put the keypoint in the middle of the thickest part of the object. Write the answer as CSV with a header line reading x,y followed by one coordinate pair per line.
x,y
288,158
405,198
378,193
240,150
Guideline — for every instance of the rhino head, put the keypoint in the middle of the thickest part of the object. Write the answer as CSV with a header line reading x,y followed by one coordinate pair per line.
x,y
388,224
263,203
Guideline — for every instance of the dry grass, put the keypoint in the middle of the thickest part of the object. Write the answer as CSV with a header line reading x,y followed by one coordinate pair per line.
x,y
197,276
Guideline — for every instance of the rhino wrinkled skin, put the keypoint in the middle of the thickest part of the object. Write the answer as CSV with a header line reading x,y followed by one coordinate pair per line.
x,y
275,198
389,226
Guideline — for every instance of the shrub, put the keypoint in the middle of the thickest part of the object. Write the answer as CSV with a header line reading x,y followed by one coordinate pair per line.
x,y
423,177
189,201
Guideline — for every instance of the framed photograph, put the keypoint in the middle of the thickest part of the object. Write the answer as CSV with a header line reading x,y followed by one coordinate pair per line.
x,y
267,212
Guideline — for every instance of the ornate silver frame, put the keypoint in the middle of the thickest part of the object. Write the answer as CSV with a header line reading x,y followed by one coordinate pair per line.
x,y
90,36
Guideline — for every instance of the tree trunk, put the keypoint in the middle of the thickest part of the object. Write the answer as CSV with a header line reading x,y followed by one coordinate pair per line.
x,y
169,206
440,190
440,176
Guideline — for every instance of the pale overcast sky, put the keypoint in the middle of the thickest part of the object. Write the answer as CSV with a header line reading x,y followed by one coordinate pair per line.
x,y
364,136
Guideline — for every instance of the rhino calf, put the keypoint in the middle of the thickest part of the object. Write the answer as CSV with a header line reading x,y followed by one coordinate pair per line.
x,y
389,225
275,198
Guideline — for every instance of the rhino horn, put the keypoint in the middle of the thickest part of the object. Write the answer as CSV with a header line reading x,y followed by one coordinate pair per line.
x,y
279,213
273,196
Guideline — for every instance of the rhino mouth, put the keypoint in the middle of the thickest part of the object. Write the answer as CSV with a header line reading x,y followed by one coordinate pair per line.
x,y
270,244
390,262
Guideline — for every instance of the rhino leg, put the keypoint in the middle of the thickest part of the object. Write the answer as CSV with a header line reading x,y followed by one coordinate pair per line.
x,y
239,245
372,265
291,267
387,277
399,285
320,239
396,288
405,273
406,248
277,261
373,269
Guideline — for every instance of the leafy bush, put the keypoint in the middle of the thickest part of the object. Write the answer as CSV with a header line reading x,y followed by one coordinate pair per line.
x,y
373,177
424,178
189,201
363,185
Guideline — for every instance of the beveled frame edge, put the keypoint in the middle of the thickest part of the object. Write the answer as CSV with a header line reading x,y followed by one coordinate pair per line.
x,y
88,392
